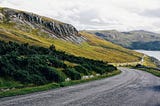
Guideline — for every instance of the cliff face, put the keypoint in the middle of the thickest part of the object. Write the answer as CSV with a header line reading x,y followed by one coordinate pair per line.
x,y
52,27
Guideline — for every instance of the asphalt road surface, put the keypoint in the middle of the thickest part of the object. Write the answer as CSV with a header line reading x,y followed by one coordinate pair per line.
x,y
130,88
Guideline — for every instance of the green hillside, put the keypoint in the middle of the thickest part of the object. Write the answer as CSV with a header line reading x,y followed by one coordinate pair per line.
x,y
24,27
93,48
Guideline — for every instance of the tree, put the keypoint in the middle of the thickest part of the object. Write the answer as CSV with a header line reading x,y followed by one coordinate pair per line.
x,y
52,48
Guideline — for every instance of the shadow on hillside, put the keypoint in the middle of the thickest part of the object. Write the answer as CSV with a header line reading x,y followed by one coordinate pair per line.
x,y
155,88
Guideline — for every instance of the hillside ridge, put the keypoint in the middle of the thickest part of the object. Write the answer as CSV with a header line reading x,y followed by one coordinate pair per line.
x,y
54,28
136,39
24,27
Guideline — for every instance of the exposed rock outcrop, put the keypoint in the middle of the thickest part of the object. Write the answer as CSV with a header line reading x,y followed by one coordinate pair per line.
x,y
52,27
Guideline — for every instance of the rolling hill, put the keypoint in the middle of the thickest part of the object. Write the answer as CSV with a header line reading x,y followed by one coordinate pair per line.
x,y
138,39
25,27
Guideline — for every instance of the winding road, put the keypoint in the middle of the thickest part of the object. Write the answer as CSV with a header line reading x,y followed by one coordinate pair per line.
x,y
130,88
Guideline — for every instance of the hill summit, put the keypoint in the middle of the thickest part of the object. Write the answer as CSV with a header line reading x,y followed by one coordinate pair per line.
x,y
25,21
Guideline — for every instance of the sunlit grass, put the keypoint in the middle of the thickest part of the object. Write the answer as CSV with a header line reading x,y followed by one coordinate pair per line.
x,y
94,48
148,62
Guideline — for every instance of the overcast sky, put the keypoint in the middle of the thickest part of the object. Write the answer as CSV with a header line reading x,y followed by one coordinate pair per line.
x,y
122,15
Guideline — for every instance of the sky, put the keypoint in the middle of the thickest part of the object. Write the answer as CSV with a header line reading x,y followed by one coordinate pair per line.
x,y
121,15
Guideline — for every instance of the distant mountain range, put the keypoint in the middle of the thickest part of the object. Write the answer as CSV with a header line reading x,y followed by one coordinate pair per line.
x,y
137,39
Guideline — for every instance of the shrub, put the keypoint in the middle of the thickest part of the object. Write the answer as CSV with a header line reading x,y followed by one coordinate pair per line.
x,y
139,66
87,66
72,73
99,70
33,64
53,74
110,68
56,63
82,70
37,79
22,76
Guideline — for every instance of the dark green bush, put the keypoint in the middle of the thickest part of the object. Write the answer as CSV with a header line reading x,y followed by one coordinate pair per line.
x,y
82,70
56,62
22,76
37,65
38,79
88,67
99,70
72,73
53,74
110,68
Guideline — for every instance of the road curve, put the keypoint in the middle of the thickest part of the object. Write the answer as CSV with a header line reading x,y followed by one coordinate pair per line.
x,y
130,88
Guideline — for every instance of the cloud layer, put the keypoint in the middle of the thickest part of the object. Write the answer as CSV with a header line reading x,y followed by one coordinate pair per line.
x,y
123,15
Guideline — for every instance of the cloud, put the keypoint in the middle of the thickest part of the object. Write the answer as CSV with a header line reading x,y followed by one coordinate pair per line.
x,y
121,15
95,20
153,13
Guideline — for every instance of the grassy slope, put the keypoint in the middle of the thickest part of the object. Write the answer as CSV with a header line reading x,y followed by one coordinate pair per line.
x,y
148,62
110,51
95,48
9,83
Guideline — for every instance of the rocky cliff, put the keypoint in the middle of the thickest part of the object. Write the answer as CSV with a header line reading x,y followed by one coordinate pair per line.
x,y
27,21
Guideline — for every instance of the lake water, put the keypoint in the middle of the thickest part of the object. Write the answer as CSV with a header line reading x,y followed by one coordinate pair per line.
x,y
155,54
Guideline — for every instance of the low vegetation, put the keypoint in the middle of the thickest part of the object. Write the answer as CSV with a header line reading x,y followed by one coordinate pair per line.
x,y
152,70
32,65
49,86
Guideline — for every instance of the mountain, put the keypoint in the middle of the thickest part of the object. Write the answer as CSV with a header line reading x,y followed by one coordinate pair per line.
x,y
138,39
25,27
26,21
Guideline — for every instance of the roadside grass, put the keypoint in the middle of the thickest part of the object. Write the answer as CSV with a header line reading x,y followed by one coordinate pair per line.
x,y
74,82
148,62
27,90
9,83
148,66
152,71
